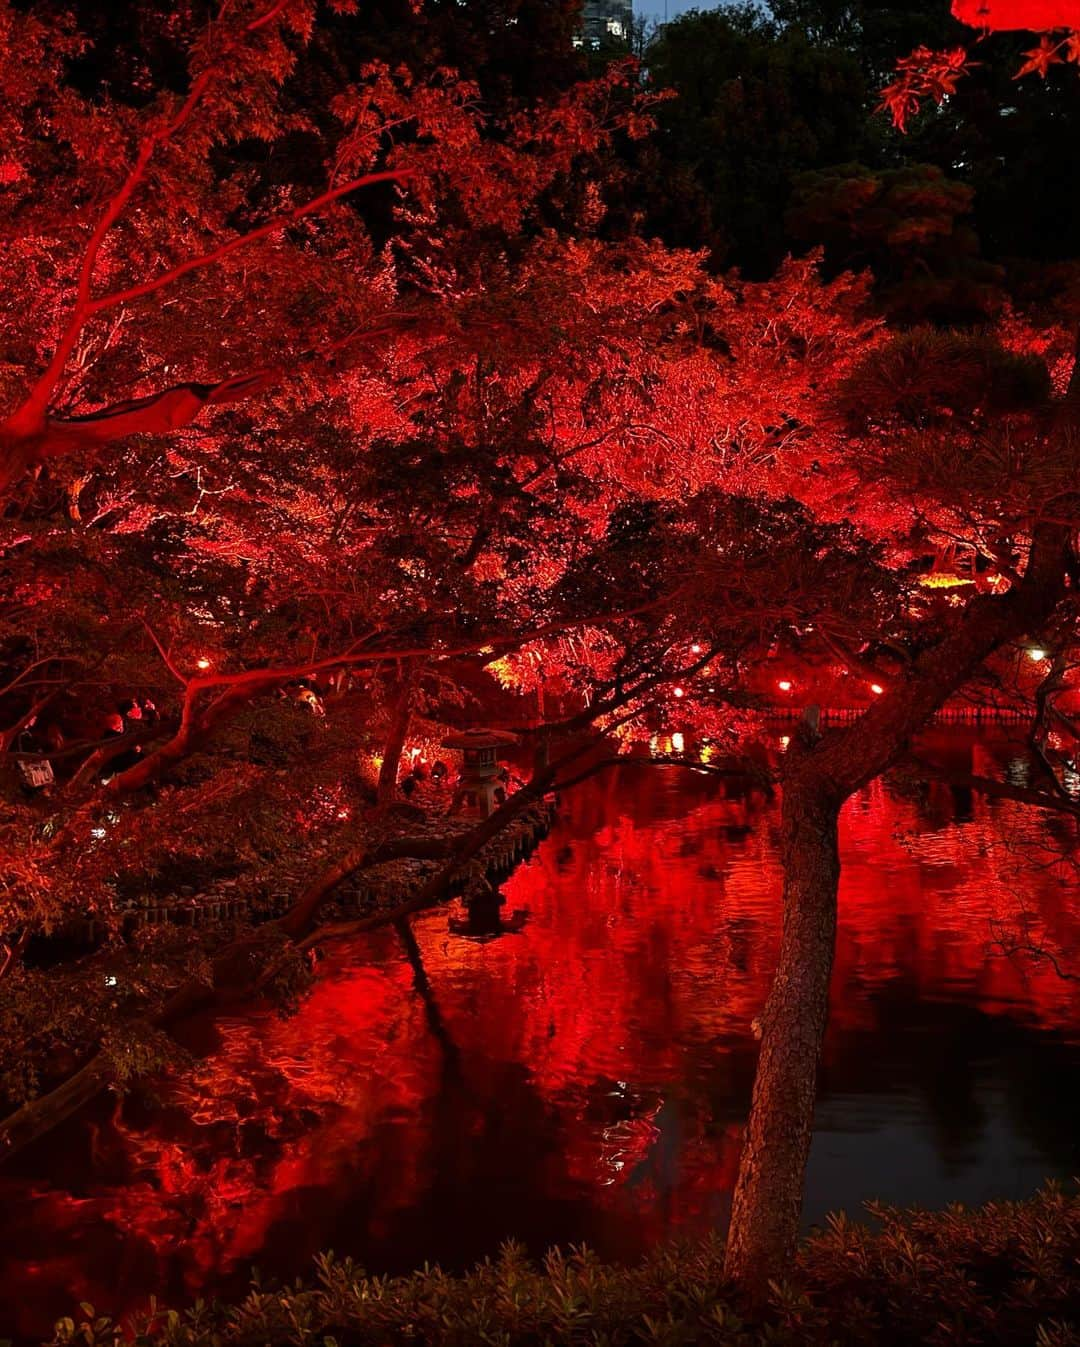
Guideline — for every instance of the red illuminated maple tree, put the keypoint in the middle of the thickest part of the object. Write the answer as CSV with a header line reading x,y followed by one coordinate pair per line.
x,y
252,445
161,575
939,415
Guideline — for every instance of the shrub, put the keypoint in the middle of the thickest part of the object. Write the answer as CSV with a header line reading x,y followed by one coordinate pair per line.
x,y
1004,1274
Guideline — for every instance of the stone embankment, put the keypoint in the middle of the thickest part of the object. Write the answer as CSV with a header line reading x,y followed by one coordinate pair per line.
x,y
948,715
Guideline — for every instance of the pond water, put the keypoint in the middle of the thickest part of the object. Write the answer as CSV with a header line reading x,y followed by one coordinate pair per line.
x,y
585,1078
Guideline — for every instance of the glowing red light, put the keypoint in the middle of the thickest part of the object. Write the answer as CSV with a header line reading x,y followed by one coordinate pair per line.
x,y
876,689
784,685
1002,15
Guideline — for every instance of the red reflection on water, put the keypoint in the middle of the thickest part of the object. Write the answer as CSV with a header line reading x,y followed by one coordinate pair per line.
x,y
585,1078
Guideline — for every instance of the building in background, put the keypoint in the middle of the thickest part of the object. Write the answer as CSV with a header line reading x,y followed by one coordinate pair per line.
x,y
608,23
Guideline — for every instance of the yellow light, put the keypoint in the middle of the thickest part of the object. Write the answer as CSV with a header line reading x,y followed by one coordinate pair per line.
x,y
785,740
1037,655
876,689
679,692
505,671
942,580
784,685
678,743
695,649
202,662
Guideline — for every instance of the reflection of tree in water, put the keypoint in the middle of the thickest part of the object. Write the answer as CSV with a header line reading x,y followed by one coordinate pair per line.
x,y
1043,1093
948,1055
422,983
498,1169
483,917
588,1079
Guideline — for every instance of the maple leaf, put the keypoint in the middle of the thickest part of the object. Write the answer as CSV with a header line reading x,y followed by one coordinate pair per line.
x,y
1040,58
925,73
900,102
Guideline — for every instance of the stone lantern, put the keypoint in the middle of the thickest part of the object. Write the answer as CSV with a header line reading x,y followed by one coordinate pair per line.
x,y
482,786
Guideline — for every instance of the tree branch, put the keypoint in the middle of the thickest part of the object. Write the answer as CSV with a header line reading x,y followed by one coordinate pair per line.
x,y
997,790
279,222
28,421
165,657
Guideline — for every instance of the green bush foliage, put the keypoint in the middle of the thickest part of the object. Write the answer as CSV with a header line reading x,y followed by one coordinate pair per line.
x,y
1006,1274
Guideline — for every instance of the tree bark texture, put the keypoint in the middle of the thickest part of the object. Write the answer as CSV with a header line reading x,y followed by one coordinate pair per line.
x,y
820,776
768,1196
400,717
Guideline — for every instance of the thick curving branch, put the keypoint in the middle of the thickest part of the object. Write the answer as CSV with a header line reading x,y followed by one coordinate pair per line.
x,y
29,434
31,414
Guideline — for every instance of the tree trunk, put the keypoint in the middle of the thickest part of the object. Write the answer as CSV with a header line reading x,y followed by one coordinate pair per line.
x,y
768,1196
193,731
12,951
396,735
821,776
